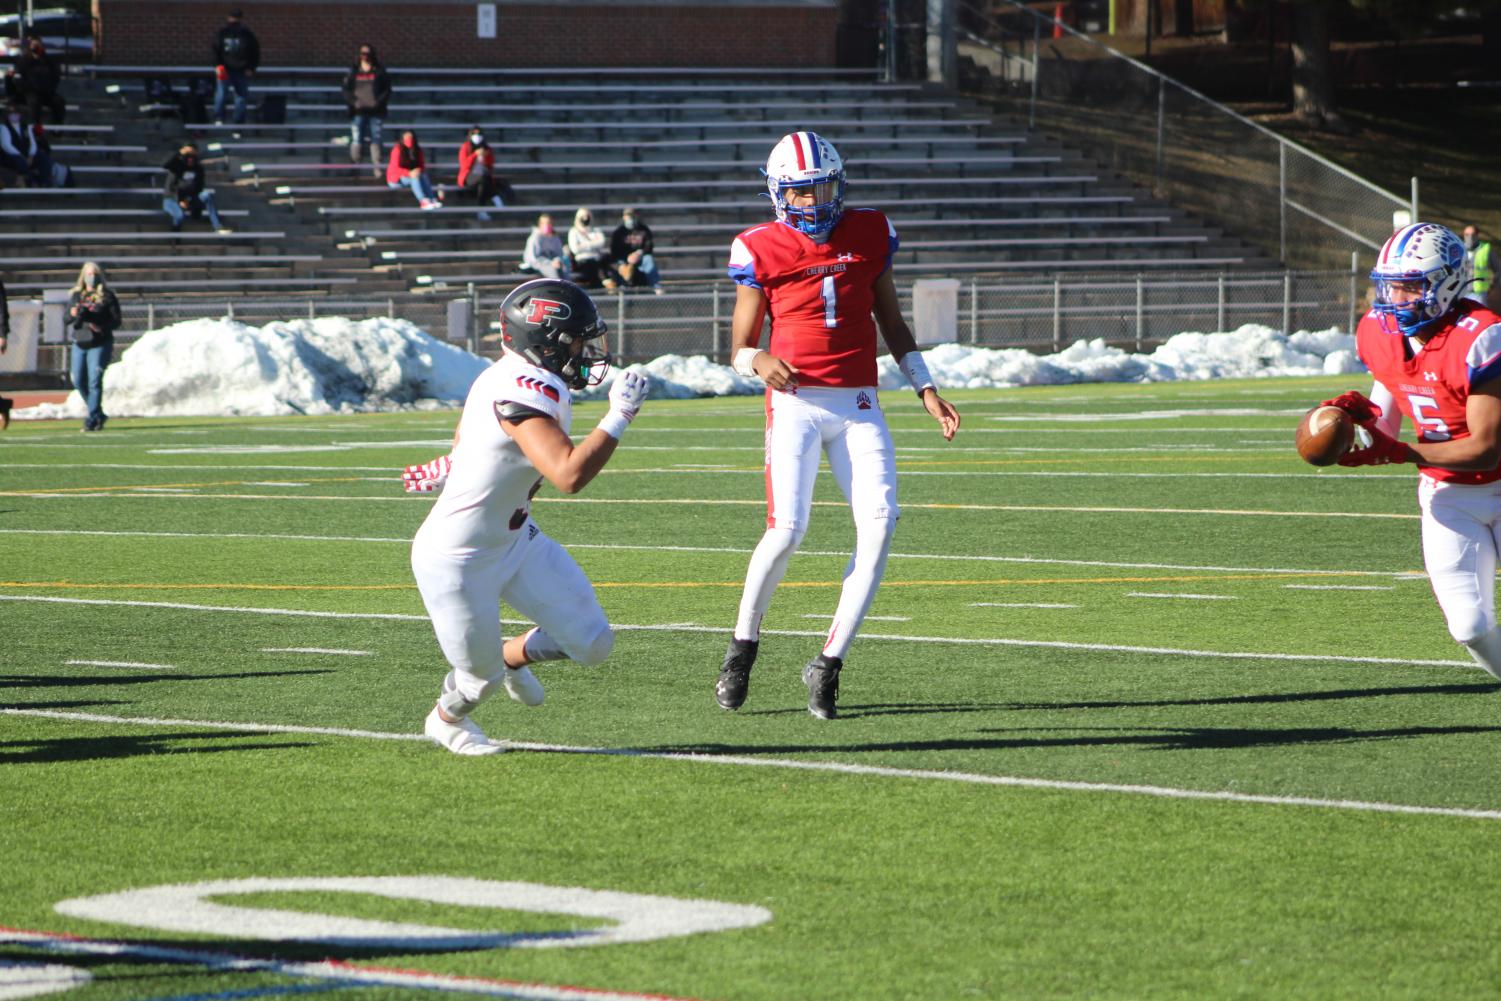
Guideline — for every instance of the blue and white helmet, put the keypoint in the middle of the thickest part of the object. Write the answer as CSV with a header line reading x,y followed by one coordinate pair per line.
x,y
1423,252
804,159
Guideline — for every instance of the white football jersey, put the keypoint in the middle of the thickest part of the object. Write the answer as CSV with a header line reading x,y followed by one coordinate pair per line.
x,y
485,501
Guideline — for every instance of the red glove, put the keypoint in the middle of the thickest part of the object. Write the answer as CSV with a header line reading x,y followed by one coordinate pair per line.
x,y
1382,450
1356,405
426,478
221,72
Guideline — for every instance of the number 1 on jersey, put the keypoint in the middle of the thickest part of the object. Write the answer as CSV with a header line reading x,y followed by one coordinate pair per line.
x,y
830,302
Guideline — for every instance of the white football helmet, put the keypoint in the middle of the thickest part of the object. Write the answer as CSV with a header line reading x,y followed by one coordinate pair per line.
x,y
1423,252
804,159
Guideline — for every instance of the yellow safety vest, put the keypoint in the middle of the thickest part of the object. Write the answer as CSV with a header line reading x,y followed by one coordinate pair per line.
x,y
1480,267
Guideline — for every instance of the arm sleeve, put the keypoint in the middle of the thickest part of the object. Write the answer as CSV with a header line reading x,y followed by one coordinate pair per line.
x,y
112,311
253,58
1390,421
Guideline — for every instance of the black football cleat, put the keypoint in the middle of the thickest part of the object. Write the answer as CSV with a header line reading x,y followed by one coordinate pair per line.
x,y
822,678
734,675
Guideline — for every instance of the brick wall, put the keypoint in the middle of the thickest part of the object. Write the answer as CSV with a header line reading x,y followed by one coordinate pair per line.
x,y
327,32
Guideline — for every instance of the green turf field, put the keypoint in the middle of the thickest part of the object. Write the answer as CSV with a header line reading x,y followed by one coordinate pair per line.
x,y
1145,708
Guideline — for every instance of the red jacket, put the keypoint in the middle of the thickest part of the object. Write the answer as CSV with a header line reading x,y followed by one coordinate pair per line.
x,y
468,153
401,165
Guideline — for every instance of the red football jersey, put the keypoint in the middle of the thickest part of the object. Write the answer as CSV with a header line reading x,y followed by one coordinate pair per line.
x,y
1433,386
820,294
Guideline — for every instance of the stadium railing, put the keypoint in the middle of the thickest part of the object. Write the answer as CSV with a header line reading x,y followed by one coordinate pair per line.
x,y
1298,207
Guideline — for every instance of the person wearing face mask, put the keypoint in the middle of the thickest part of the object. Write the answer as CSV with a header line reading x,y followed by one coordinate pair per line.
x,y
93,317
38,76
590,252
544,251
24,150
1478,256
477,174
367,92
184,193
408,169
631,247
237,55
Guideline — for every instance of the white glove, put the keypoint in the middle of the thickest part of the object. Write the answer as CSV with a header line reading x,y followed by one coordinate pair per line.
x,y
427,477
626,395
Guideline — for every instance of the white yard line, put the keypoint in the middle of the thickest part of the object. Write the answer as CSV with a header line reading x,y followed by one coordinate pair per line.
x,y
837,767
317,649
737,551
120,663
1018,604
722,502
1190,597
690,628
1339,587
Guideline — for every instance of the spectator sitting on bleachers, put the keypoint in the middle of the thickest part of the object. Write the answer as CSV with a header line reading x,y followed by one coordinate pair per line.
x,y
544,251
367,92
237,54
408,169
25,151
631,248
477,173
184,193
37,78
590,252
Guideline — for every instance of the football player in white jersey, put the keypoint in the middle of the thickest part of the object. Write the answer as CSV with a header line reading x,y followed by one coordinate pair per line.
x,y
479,545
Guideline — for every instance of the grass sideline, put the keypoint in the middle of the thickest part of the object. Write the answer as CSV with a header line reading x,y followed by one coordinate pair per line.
x,y
1219,672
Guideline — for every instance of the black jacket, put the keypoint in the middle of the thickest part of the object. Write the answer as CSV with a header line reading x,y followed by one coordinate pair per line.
x,y
97,319
380,86
184,180
236,48
625,240
38,74
4,313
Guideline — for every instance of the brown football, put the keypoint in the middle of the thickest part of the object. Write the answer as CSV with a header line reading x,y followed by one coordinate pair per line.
x,y
1325,434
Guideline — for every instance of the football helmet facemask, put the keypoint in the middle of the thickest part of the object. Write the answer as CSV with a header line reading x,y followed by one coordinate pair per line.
x,y
1424,252
541,320
800,160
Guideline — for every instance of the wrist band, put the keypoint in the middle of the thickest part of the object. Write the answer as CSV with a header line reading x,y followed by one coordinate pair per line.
x,y
916,371
614,424
743,359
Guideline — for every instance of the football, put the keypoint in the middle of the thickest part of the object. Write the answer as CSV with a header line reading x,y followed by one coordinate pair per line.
x,y
1325,434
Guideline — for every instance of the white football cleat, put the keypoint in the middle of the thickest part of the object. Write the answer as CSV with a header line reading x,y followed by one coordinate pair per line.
x,y
523,686
464,737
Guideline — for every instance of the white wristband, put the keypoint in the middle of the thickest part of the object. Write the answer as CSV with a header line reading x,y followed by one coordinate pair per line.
x,y
614,424
916,371
742,363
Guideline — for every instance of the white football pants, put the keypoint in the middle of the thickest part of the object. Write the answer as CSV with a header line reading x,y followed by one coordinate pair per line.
x,y
535,576
848,426
1460,525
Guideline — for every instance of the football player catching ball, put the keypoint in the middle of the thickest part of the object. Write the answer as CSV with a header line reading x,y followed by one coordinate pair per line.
x,y
1436,359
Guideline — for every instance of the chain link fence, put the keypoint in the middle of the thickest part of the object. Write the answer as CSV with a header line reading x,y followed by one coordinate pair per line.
x,y
1037,313
1297,207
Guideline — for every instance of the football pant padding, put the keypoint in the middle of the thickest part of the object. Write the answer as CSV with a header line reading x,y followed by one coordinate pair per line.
x,y
1459,552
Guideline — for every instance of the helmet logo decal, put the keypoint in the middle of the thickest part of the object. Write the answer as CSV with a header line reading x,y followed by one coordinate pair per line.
x,y
539,309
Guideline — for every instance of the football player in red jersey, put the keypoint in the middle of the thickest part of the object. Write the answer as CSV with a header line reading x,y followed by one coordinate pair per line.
x,y
1436,359
820,272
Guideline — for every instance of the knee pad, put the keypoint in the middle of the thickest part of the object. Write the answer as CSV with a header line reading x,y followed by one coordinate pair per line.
x,y
1469,626
597,649
780,543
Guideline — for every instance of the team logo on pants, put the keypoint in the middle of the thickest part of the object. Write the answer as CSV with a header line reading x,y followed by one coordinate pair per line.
x,y
862,400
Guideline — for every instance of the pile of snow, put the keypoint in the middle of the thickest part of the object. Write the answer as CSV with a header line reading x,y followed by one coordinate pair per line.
x,y
334,365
